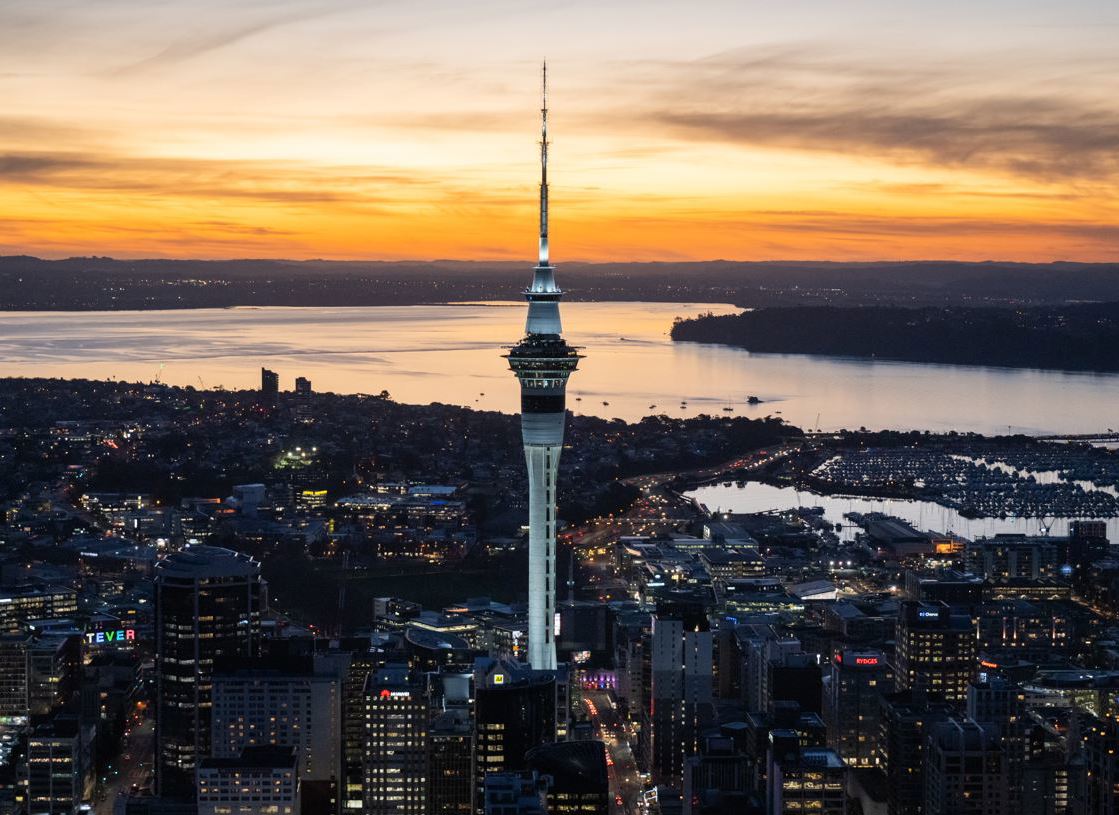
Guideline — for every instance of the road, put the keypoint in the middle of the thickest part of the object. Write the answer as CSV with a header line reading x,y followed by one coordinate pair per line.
x,y
133,767
625,780
657,511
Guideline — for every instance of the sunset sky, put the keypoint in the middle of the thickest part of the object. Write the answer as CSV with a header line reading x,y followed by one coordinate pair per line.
x,y
842,130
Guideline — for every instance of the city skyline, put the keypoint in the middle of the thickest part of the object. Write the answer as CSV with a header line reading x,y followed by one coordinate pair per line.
x,y
827,131
279,533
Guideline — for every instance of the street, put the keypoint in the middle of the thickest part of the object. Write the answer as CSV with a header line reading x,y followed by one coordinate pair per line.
x,y
134,767
625,780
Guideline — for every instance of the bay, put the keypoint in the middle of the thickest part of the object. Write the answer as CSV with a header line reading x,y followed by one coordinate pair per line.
x,y
452,354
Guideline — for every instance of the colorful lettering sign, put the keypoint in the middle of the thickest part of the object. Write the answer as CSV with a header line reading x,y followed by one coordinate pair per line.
x,y
111,637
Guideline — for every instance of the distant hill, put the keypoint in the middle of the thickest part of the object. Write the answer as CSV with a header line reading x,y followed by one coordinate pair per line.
x,y
1072,338
104,283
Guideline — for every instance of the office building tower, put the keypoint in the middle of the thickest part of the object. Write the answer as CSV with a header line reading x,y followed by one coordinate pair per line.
x,y
965,770
59,766
285,701
269,385
522,793
761,645
936,650
396,722
362,663
853,703
578,781
53,670
261,780
680,694
514,711
906,721
450,744
794,677
804,779
14,670
303,405
542,362
21,604
1015,557
718,776
1001,705
208,605
959,589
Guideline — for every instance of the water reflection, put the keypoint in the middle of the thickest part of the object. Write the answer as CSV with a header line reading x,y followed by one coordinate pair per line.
x,y
452,354
924,515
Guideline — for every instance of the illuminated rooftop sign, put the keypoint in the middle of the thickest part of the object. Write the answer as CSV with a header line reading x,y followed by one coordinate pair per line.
x,y
112,637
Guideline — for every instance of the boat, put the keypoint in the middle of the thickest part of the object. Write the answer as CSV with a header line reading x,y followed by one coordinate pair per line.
x,y
651,407
729,409
607,404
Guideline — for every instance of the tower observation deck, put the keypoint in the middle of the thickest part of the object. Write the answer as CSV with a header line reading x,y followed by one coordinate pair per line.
x,y
542,362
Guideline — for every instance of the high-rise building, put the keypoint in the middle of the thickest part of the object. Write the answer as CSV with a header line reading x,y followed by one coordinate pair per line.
x,y
208,604
965,770
261,780
396,722
514,711
14,670
794,677
21,604
680,695
1015,556
936,650
304,407
59,766
804,779
450,743
578,780
718,774
290,701
523,793
53,670
542,362
853,702
906,719
1001,705
269,385
362,664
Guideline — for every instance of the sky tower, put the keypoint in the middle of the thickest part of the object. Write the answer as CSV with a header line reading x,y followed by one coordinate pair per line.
x,y
542,361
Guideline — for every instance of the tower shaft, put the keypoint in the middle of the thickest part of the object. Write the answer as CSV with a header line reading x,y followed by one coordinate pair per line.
x,y
542,361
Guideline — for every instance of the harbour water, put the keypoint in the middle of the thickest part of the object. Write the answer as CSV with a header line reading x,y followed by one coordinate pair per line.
x,y
452,354
753,496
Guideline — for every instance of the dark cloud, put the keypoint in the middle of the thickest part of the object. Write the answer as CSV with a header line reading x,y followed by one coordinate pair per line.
x,y
363,189
949,116
275,182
